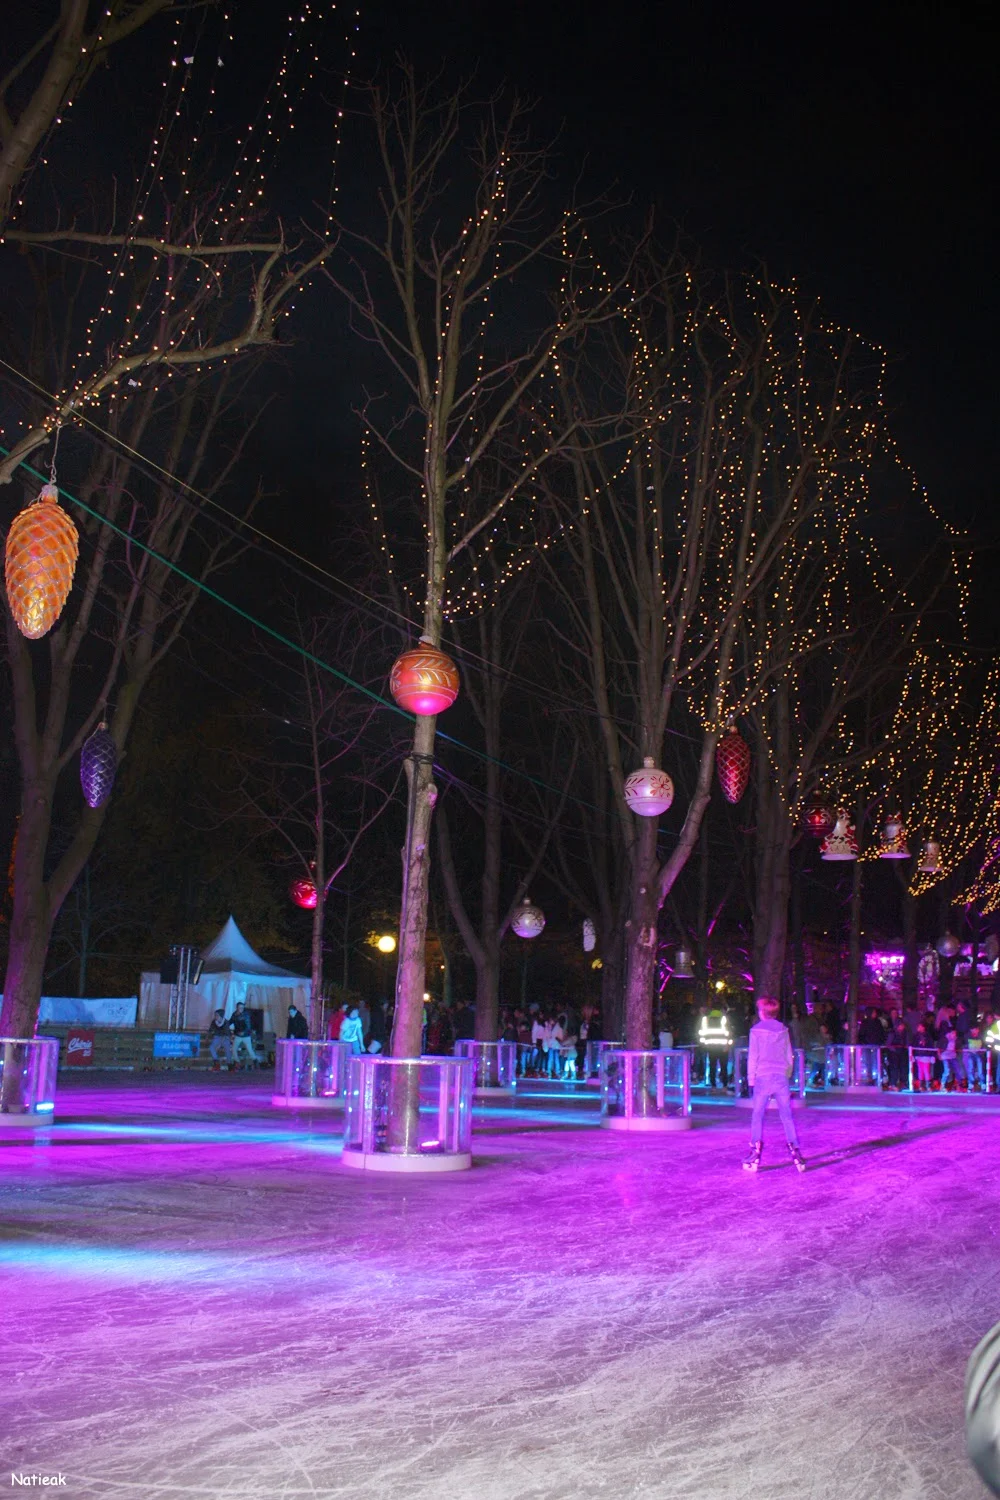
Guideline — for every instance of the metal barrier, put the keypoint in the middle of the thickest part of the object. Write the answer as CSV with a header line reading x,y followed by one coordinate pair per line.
x,y
310,1075
494,1065
922,1063
635,1088
797,1083
28,1067
853,1067
409,1114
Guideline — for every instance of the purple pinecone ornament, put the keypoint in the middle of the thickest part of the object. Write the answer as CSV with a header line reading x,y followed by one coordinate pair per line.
x,y
98,763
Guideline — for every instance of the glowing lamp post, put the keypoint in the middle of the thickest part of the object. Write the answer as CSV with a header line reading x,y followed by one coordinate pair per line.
x,y
386,943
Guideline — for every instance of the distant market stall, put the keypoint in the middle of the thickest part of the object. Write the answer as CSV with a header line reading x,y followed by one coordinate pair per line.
x,y
232,972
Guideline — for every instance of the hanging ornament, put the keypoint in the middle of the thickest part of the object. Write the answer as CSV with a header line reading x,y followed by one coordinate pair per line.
x,y
650,791
42,548
303,893
528,920
732,762
930,858
424,680
893,845
819,819
683,963
589,935
842,843
949,946
98,764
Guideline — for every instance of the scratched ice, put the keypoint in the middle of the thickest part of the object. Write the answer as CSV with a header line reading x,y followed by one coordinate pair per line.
x,y
200,1302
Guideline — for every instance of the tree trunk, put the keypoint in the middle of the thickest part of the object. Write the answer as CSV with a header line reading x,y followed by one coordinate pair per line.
x,y
316,961
854,973
32,917
641,938
798,947
411,974
771,963
85,927
911,954
487,963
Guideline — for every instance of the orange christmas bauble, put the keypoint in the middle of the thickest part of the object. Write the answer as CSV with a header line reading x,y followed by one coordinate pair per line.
x,y
424,680
42,549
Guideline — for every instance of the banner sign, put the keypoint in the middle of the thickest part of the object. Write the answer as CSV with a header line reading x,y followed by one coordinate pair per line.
x,y
175,1044
79,1051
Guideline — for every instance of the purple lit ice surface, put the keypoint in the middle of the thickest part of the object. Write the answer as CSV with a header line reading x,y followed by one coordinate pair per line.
x,y
209,1305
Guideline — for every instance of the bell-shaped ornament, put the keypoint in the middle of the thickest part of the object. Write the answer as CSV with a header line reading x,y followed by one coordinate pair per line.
x,y
842,843
893,845
649,792
930,858
528,920
683,963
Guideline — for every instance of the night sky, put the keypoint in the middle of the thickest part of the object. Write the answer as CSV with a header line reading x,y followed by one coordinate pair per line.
x,y
852,149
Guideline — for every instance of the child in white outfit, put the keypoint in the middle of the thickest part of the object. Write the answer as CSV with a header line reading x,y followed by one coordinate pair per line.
x,y
769,1067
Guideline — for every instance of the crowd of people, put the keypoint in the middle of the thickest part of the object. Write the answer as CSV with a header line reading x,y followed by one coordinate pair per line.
x,y
944,1047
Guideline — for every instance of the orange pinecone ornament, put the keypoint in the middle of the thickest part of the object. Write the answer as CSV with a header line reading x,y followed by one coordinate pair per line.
x,y
42,548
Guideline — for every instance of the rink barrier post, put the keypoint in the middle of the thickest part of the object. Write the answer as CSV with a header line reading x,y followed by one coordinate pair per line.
x,y
436,1134
797,1084
310,1075
494,1066
28,1068
635,1086
855,1067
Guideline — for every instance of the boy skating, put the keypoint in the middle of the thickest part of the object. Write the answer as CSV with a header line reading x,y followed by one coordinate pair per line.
x,y
769,1067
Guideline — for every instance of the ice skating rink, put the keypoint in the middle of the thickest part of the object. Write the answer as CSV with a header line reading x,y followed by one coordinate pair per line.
x,y
200,1302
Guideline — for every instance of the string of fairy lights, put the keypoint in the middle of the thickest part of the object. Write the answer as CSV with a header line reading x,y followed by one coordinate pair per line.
x,y
937,757
148,320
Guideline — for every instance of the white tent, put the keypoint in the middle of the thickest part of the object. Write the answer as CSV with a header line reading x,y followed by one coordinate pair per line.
x,y
232,972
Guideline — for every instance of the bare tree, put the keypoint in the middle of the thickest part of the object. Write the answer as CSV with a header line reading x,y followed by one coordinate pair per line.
x,y
737,418
57,64
462,235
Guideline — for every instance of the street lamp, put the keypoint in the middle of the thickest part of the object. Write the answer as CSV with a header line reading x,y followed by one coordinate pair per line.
x,y
386,943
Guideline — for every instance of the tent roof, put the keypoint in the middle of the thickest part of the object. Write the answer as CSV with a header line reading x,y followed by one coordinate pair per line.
x,y
230,953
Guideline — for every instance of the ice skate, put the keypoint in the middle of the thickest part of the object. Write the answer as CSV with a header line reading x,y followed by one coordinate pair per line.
x,y
752,1162
797,1157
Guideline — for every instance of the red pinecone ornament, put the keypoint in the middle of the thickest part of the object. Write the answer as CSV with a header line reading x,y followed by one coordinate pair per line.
x,y
732,761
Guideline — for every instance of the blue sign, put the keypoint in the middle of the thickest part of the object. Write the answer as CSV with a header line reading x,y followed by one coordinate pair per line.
x,y
175,1044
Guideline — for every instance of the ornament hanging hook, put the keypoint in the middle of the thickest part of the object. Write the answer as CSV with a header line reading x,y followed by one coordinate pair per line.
x,y
55,450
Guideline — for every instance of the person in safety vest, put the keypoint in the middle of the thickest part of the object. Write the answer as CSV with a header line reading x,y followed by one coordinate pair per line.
x,y
714,1040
